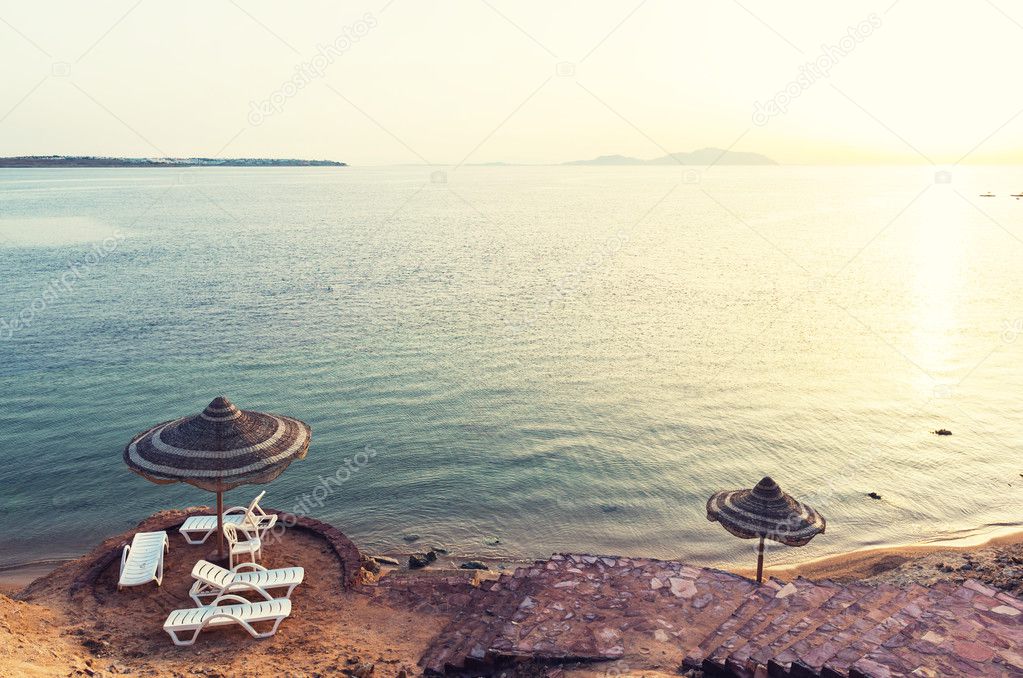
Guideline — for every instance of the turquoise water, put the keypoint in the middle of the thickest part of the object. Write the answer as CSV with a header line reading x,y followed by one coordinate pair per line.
x,y
562,358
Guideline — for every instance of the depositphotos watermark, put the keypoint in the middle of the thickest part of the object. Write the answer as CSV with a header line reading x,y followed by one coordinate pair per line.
x,y
326,486
1011,329
61,286
308,71
812,71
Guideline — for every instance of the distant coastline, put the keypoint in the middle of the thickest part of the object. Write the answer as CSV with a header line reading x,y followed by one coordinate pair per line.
x,y
97,161
703,156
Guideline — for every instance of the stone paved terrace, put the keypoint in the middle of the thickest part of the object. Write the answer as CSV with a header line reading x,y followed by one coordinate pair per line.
x,y
582,608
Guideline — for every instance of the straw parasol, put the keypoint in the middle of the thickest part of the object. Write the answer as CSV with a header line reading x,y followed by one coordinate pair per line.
x,y
220,448
765,512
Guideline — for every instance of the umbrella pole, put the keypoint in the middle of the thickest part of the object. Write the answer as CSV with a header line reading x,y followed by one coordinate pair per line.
x,y
760,560
220,527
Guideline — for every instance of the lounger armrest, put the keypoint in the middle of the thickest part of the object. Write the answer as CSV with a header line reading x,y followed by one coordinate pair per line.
x,y
255,566
244,586
229,597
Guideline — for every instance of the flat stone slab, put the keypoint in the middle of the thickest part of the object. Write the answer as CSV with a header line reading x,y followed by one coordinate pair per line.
x,y
592,607
579,607
970,632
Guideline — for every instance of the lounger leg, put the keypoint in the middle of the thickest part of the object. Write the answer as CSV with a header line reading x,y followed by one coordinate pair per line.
x,y
194,541
124,558
200,590
265,634
272,631
179,642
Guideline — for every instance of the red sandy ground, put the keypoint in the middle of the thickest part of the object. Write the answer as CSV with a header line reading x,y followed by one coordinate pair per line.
x,y
109,632
100,631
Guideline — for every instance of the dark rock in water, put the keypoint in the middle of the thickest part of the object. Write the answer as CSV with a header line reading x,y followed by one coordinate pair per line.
x,y
491,541
370,564
420,560
610,508
873,495
384,560
409,538
474,565
942,432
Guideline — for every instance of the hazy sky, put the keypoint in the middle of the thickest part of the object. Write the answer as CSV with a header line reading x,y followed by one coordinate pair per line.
x,y
446,81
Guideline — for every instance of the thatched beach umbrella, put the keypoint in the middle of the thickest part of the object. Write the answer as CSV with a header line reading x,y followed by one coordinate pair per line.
x,y
220,448
765,512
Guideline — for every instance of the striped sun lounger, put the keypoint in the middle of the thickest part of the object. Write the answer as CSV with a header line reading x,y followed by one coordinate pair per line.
x,y
142,560
214,581
227,610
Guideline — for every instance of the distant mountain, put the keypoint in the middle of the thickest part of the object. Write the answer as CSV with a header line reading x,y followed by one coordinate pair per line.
x,y
95,161
704,156
610,160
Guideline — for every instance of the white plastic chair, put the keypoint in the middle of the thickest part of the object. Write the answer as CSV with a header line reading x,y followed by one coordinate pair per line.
x,y
241,543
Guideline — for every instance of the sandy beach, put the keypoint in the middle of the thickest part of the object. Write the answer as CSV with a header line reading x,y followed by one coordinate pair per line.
x,y
381,627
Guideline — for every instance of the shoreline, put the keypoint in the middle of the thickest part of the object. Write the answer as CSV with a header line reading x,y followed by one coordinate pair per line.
x,y
874,560
365,621
857,564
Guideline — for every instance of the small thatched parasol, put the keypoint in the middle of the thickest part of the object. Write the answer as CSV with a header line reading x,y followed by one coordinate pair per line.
x,y
218,449
765,511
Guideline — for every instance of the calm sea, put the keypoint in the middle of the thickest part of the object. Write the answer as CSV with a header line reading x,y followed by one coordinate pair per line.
x,y
557,358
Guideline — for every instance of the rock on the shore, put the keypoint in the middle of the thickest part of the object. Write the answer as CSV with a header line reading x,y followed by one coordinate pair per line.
x,y
417,561
942,432
474,565
370,564
363,670
384,560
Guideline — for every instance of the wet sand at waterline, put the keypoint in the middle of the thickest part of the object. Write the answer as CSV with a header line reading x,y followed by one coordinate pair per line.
x,y
875,563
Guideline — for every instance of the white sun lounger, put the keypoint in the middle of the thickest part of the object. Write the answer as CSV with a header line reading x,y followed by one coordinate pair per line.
x,y
142,560
213,581
224,611
197,529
